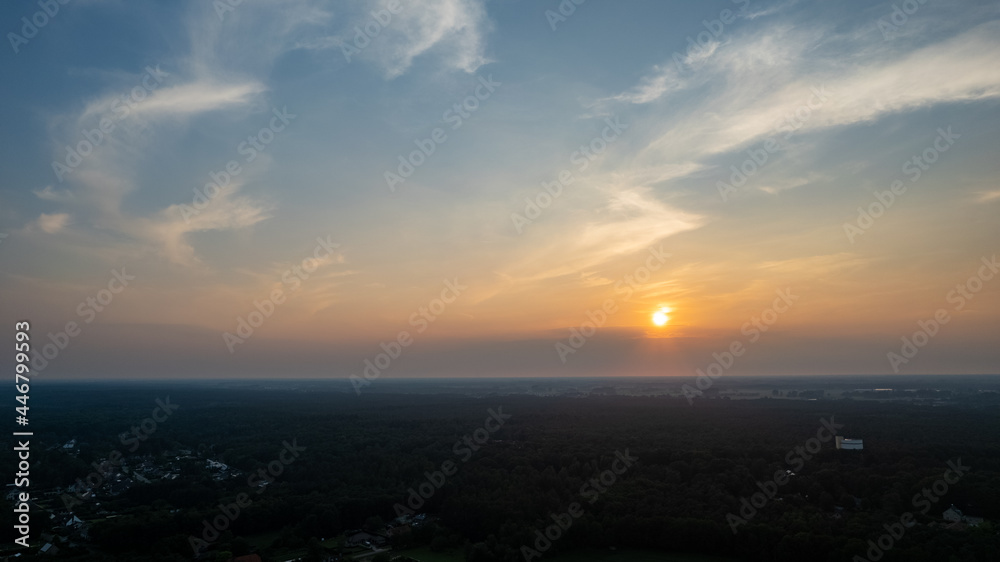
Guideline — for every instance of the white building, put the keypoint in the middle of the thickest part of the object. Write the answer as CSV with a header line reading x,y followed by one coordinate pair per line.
x,y
846,443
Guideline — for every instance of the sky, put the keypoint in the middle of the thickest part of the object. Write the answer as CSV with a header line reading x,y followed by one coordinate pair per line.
x,y
295,188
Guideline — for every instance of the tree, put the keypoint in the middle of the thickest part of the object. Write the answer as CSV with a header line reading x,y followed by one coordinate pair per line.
x,y
374,524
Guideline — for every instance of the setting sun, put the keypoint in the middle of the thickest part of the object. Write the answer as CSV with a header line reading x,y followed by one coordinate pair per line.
x,y
660,316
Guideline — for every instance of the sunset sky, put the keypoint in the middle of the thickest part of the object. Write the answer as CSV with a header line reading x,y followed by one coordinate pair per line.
x,y
643,108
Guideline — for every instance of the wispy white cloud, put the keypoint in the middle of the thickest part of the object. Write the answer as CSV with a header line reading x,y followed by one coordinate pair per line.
x,y
191,98
170,228
629,220
747,88
785,183
222,72
757,80
661,81
761,11
683,69
102,182
53,223
453,31
49,193
987,196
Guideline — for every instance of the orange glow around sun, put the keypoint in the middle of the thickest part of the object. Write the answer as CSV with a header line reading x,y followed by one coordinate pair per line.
x,y
660,317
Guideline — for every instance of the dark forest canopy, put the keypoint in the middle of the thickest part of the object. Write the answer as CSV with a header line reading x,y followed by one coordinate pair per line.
x,y
496,468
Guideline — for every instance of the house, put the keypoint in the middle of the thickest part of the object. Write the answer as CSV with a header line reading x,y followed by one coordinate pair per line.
x,y
952,514
360,538
955,515
397,530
